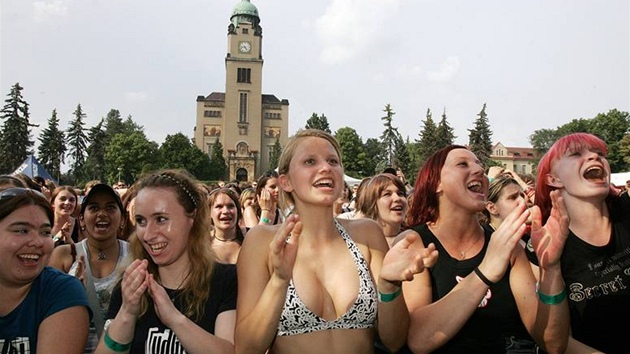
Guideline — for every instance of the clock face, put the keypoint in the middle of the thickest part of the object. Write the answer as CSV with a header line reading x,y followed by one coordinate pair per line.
x,y
244,47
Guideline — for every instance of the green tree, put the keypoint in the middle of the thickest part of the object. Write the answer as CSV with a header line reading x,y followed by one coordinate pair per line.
x,y
480,138
445,133
389,136
374,158
318,122
217,162
52,147
274,154
133,154
353,154
177,151
427,144
542,139
15,138
77,142
401,155
612,127
624,149
115,125
95,162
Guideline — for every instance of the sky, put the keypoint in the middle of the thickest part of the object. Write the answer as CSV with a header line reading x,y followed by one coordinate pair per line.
x,y
536,64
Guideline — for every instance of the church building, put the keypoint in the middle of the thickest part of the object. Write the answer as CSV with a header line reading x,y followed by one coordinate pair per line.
x,y
245,121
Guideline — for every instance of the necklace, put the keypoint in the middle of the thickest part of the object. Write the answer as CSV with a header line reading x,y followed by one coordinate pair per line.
x,y
101,256
462,254
224,239
214,236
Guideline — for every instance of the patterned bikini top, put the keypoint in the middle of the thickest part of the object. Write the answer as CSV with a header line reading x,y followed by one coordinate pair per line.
x,y
296,318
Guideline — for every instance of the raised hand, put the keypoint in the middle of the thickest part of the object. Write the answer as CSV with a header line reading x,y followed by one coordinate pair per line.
x,y
164,307
283,247
406,258
80,273
548,240
134,284
503,241
265,201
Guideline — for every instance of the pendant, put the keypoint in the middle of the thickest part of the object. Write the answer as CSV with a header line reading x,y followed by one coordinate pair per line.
x,y
101,255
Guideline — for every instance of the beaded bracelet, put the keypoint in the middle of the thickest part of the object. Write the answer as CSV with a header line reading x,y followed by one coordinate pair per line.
x,y
389,297
551,299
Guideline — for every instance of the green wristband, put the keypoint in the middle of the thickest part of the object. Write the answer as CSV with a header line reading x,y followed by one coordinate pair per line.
x,y
265,220
551,299
113,345
389,297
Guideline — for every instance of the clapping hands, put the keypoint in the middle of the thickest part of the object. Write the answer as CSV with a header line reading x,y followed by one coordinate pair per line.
x,y
407,258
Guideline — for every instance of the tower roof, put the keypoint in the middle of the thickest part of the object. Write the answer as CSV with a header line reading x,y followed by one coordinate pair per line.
x,y
245,11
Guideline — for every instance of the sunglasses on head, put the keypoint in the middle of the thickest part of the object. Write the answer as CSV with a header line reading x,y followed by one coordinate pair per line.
x,y
18,191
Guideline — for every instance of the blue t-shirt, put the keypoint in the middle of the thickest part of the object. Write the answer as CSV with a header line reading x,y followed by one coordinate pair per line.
x,y
52,291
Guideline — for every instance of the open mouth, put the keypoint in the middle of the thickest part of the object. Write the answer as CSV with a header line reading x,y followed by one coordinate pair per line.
x,y
595,173
328,183
29,258
101,225
397,208
475,186
158,247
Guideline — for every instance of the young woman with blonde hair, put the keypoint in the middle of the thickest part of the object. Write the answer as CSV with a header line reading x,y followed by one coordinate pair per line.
x,y
313,281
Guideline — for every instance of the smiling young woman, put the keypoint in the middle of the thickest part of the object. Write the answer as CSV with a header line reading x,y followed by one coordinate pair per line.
x,y
39,304
174,294
317,284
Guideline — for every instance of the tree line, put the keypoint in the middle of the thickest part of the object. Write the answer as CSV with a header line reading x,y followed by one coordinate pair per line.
x,y
118,149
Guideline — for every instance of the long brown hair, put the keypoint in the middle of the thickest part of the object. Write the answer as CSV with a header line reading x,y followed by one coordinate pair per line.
x,y
196,290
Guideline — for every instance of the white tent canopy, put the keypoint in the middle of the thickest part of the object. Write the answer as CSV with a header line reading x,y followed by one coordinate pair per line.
x,y
352,180
619,179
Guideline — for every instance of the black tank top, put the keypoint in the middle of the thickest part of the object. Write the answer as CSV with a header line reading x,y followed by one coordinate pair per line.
x,y
496,318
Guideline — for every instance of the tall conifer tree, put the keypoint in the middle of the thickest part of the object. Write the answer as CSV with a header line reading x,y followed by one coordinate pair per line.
x,y
15,141
480,138
77,143
445,135
52,146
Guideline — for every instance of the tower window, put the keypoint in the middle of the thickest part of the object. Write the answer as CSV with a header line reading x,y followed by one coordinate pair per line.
x,y
244,75
245,31
242,115
212,113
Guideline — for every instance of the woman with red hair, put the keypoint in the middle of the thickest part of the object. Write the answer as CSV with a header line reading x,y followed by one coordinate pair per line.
x,y
596,254
481,291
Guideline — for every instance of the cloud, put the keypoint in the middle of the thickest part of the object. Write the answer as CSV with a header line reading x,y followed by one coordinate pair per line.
x,y
44,11
134,97
448,70
349,27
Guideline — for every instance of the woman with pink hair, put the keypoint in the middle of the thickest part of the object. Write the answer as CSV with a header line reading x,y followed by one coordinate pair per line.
x,y
596,255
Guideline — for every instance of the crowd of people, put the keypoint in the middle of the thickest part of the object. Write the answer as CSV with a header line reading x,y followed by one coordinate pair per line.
x,y
468,259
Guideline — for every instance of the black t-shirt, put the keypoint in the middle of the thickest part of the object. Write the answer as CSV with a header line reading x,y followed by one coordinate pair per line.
x,y
496,317
152,336
598,284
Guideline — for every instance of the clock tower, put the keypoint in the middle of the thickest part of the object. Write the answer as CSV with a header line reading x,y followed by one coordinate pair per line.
x,y
245,121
